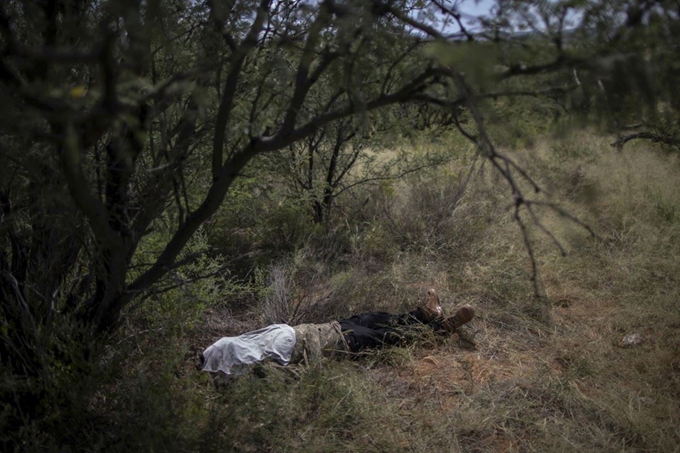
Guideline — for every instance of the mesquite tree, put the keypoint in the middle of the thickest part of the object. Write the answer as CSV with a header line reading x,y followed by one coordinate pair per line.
x,y
107,116
110,108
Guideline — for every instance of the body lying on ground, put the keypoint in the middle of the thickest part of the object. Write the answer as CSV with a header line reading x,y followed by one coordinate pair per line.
x,y
310,342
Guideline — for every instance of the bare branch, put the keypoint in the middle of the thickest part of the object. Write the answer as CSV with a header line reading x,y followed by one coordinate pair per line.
x,y
408,20
566,215
530,249
230,85
79,188
457,17
546,231
302,82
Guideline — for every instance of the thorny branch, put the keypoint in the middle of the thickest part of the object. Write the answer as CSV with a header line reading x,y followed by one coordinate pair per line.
x,y
506,166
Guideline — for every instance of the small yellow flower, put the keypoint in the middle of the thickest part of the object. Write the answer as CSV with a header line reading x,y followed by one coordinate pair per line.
x,y
78,92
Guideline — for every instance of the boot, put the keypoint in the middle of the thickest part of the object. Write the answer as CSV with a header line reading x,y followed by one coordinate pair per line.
x,y
463,316
432,310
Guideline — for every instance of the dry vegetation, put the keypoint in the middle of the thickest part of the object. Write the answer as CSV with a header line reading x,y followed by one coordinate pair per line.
x,y
510,381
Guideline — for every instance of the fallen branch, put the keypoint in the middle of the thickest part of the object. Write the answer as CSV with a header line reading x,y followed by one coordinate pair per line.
x,y
665,139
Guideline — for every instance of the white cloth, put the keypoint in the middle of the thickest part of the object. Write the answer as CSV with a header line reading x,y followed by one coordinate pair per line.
x,y
235,355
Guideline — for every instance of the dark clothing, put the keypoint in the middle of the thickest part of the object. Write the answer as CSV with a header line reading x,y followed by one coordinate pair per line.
x,y
372,330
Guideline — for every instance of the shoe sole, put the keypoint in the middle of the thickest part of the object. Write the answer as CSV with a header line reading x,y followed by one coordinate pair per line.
x,y
463,316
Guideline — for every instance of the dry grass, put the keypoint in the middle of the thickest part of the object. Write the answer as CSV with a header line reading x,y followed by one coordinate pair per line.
x,y
508,382
570,386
